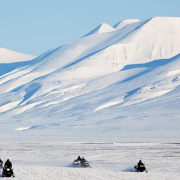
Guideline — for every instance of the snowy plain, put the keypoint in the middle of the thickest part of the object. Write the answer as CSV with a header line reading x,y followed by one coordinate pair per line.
x,y
109,160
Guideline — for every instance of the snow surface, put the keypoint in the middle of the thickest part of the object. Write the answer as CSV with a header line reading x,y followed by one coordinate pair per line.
x,y
109,161
22,128
7,56
107,105
11,60
95,97
102,28
122,24
122,84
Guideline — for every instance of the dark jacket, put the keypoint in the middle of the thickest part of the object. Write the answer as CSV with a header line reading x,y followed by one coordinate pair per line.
x,y
140,166
8,164
79,158
83,160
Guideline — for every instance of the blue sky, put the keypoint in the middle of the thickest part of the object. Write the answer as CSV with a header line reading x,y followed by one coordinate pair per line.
x,y
34,26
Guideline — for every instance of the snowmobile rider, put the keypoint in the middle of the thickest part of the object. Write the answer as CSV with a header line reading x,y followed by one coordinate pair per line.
x,y
140,166
8,164
79,158
1,162
83,160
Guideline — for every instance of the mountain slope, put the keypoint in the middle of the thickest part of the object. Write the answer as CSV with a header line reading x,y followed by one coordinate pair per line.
x,y
102,28
122,83
7,56
122,24
11,60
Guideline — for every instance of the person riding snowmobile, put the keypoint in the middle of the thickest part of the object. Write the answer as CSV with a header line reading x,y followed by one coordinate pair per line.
x,y
79,158
83,160
8,164
7,170
141,166
84,163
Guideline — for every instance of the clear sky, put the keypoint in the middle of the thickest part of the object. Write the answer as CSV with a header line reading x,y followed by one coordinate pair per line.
x,y
34,26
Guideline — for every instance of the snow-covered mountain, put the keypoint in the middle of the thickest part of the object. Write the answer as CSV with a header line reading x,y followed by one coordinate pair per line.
x,y
7,56
122,24
10,60
102,28
121,82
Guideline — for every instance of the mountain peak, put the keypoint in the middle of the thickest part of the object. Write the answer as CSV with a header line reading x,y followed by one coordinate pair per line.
x,y
8,56
122,24
102,28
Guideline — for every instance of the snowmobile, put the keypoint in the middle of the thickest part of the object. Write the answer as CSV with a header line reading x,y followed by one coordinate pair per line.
x,y
7,172
85,164
141,168
77,162
82,163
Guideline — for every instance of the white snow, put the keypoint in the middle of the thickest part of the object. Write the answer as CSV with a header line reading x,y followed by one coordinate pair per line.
x,y
124,23
107,105
7,56
109,161
8,106
102,28
118,83
173,73
112,97
22,128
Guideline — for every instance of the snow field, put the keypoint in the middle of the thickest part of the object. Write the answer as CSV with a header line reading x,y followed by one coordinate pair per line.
x,y
48,173
109,161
